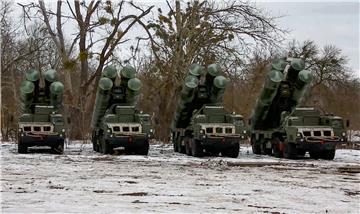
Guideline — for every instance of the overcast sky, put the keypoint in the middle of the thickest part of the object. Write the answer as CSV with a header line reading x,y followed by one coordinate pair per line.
x,y
325,22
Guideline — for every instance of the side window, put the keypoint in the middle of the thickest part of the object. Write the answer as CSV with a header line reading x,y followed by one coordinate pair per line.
x,y
228,130
135,129
209,130
219,130
47,128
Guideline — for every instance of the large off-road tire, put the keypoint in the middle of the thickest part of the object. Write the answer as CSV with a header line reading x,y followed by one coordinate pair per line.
x,y
232,152
256,147
315,154
196,148
144,149
188,148
266,151
276,148
328,154
212,151
301,152
182,149
97,147
22,149
290,151
176,148
106,147
59,149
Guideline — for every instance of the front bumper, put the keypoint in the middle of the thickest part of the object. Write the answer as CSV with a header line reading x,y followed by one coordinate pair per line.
x,y
314,144
41,140
220,141
127,141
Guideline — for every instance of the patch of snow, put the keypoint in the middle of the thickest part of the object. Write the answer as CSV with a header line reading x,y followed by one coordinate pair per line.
x,y
84,181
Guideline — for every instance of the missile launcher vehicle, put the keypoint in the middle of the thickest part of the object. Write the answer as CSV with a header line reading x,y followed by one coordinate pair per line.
x,y
280,128
201,124
40,123
116,123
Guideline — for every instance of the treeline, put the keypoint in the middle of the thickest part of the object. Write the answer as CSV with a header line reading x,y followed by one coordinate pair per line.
x,y
79,38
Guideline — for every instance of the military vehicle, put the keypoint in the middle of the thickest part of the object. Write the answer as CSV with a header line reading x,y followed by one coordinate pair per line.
x,y
279,127
116,122
201,124
40,123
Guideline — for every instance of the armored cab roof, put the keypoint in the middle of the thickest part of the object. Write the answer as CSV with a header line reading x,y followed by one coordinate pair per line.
x,y
213,110
299,112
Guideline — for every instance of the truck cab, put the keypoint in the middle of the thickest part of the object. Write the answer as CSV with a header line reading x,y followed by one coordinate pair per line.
x,y
307,130
214,130
123,127
43,128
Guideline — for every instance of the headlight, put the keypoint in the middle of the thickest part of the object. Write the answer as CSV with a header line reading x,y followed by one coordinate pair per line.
x,y
111,135
298,134
108,130
63,130
244,131
61,135
22,135
20,130
201,131
343,134
148,136
242,137
151,130
204,136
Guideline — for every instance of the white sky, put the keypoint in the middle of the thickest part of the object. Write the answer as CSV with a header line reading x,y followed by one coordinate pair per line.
x,y
325,22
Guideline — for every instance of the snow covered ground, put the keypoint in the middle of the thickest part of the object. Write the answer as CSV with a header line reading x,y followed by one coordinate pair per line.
x,y
82,181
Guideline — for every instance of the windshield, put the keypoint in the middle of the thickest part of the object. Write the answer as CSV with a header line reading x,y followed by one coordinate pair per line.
x,y
337,124
239,122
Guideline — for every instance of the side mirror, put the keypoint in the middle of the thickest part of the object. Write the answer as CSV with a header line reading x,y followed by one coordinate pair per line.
x,y
347,123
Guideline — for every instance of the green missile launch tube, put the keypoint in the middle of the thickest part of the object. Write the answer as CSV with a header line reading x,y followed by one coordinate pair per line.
x,y
102,100
127,73
133,91
218,89
303,79
213,71
50,76
109,72
187,91
196,70
32,75
56,94
296,66
272,82
279,65
27,89
191,82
